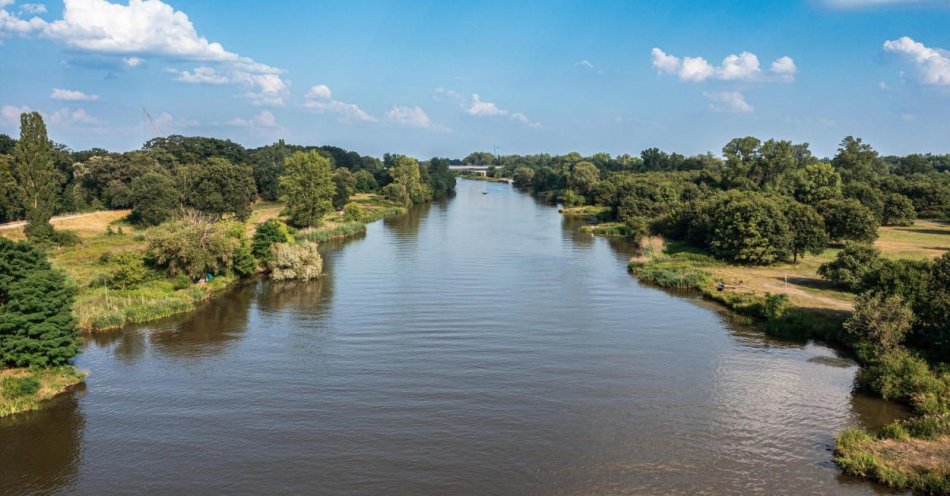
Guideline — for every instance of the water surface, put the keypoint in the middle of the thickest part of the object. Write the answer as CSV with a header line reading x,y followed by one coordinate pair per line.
x,y
476,346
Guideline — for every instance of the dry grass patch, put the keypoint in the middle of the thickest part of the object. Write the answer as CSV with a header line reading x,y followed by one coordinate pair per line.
x,y
22,390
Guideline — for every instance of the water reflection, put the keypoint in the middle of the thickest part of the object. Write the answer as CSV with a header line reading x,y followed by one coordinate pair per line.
x,y
41,451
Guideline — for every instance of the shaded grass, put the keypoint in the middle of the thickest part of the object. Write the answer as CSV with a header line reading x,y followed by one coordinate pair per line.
x,y
17,398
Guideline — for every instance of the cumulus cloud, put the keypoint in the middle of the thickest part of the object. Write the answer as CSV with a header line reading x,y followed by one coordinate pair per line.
x,y
33,8
150,28
728,101
10,114
742,67
585,64
933,64
264,119
72,95
319,98
67,116
413,117
481,108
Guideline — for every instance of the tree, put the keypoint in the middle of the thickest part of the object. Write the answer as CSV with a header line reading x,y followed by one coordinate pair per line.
x,y
847,219
406,172
749,228
935,315
441,179
154,198
365,182
268,165
37,327
219,187
9,207
522,177
266,235
37,181
851,265
345,185
583,178
857,161
868,196
816,182
898,210
905,278
194,245
807,229
880,320
307,188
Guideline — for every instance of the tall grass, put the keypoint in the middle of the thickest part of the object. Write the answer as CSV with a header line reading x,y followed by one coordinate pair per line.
x,y
22,390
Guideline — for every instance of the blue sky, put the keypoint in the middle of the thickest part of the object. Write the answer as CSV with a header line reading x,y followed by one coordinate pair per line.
x,y
446,78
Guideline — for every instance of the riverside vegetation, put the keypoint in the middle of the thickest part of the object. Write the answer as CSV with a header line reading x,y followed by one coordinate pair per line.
x,y
834,249
154,232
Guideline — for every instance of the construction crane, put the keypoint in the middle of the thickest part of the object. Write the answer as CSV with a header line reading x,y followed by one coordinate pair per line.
x,y
158,130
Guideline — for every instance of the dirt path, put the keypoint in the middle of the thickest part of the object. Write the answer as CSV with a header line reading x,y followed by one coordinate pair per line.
x,y
22,223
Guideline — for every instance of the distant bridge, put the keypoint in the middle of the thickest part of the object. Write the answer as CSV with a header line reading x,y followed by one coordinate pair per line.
x,y
481,170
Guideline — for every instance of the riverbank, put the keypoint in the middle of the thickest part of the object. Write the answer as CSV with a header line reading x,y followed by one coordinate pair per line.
x,y
101,308
792,301
23,390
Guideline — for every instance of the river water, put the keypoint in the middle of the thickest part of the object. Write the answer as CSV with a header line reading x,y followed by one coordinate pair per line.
x,y
476,346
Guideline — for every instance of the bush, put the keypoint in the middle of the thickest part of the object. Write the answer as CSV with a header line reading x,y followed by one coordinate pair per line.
x,y
749,228
904,376
299,261
194,245
353,212
180,282
848,219
895,431
155,197
880,320
905,278
19,387
267,234
851,265
244,263
127,269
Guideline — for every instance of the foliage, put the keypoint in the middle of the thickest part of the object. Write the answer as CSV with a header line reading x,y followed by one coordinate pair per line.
x,y
851,265
815,183
365,182
406,173
193,244
353,212
36,325
523,177
807,230
934,317
583,178
441,180
267,234
345,184
220,188
300,261
127,269
307,188
18,387
749,228
154,198
897,210
907,279
36,178
847,219
880,320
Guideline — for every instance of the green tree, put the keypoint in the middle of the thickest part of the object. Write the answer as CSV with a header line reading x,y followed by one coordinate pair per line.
x,y
935,315
307,188
857,161
9,207
807,229
299,261
266,235
880,320
365,182
127,269
345,185
37,327
868,196
522,177
441,179
847,219
583,178
816,182
154,198
219,187
37,180
406,172
898,210
851,265
749,228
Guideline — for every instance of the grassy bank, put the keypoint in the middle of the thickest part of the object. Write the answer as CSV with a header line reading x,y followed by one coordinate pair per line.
x,y
22,390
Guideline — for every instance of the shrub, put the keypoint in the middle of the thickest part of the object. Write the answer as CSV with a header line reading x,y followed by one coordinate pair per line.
x,y
848,219
244,263
19,387
894,430
180,282
880,320
851,265
127,269
193,245
155,197
299,261
266,234
905,278
353,212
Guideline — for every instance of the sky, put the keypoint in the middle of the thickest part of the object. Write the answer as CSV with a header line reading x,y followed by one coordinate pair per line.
x,y
437,78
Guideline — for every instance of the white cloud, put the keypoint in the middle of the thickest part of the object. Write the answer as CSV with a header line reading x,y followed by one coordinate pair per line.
x,y
742,67
441,94
72,95
264,119
518,116
200,75
933,64
69,116
728,101
319,99
33,8
151,28
585,64
482,108
320,91
10,114
412,117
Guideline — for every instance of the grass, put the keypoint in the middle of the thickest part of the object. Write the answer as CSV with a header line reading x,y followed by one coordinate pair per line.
x,y
592,211
22,390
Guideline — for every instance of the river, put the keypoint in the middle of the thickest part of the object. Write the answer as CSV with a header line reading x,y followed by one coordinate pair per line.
x,y
475,346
